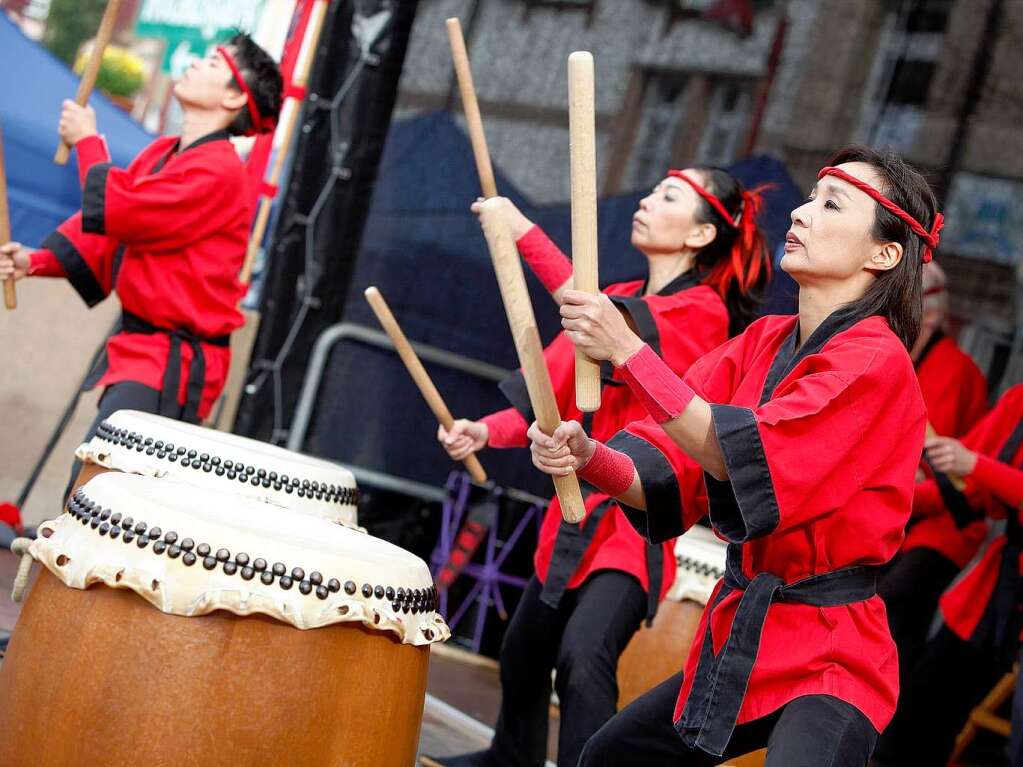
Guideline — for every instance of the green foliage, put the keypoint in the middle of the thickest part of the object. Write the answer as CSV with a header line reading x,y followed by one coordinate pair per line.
x,y
69,24
122,73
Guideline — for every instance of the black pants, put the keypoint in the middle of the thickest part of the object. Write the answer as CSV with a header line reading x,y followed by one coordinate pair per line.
x,y
812,731
911,588
126,395
582,640
1016,736
951,677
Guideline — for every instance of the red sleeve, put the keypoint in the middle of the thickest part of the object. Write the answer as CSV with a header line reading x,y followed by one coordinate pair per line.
x,y
1001,480
794,459
91,150
86,259
673,483
506,428
165,211
45,264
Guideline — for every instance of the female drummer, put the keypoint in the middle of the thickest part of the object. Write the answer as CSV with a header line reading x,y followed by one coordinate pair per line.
x,y
596,581
801,437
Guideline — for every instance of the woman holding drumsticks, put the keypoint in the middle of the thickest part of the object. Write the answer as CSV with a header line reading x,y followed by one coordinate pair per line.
x,y
801,437
595,582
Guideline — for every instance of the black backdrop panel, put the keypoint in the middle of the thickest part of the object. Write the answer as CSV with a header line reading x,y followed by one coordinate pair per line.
x,y
344,126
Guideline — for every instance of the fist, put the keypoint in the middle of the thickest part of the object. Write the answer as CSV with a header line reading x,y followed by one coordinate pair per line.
x,y
14,261
517,222
76,122
597,328
465,438
949,456
568,449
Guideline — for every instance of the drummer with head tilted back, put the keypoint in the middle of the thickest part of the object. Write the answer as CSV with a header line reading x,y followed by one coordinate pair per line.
x,y
168,234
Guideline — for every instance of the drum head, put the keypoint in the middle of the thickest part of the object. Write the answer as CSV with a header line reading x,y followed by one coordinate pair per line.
x,y
190,550
153,446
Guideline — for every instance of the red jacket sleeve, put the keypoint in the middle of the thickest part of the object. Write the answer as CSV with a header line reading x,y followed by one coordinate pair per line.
x,y
86,259
165,211
91,150
1001,480
853,421
673,483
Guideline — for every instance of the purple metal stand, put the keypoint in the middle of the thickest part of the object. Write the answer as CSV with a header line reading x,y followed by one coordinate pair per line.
x,y
486,591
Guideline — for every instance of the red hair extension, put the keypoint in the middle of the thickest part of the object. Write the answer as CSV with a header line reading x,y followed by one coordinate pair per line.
x,y
748,262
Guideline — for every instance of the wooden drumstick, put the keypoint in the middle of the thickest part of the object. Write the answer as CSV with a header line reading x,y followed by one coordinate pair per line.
x,y
583,153
471,108
418,372
515,295
10,295
88,81
301,79
957,482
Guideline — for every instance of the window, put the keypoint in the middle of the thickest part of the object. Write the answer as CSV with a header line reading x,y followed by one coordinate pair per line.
x,y
662,114
928,16
727,122
900,83
911,80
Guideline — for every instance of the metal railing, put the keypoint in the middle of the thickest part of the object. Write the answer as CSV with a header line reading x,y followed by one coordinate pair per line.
x,y
349,331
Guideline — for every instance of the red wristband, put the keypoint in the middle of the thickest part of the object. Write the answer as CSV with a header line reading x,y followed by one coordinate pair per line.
x,y
608,470
663,394
548,263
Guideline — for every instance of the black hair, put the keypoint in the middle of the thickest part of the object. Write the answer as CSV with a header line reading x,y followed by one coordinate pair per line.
x,y
263,78
897,293
736,263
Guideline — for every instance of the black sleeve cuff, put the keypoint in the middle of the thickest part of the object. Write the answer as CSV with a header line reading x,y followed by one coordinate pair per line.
x,y
662,519
94,199
78,272
745,507
514,388
642,317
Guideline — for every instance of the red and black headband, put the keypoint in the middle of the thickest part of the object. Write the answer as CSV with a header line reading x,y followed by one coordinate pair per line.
x,y
260,124
930,238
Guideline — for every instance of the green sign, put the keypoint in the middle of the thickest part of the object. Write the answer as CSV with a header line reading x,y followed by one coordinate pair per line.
x,y
190,27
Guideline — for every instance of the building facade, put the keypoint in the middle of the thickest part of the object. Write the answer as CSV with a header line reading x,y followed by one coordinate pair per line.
x,y
933,79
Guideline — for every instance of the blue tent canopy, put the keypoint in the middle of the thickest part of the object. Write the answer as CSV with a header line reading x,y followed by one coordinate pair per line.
x,y
33,85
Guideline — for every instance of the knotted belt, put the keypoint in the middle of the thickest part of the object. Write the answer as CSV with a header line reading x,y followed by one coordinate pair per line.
x,y
720,683
131,323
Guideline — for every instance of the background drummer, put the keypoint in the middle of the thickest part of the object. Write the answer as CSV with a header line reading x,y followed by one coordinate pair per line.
x,y
168,234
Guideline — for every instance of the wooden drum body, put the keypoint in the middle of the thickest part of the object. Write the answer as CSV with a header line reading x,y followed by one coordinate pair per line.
x,y
267,646
152,446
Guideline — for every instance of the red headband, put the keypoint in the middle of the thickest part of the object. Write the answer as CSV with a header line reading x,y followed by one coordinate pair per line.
x,y
260,124
930,238
713,201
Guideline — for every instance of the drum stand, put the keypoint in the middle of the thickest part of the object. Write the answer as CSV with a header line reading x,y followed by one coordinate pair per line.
x,y
486,591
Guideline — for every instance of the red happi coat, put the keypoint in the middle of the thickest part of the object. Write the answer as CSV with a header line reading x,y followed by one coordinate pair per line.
x,y
821,445
684,320
955,393
169,234
995,488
